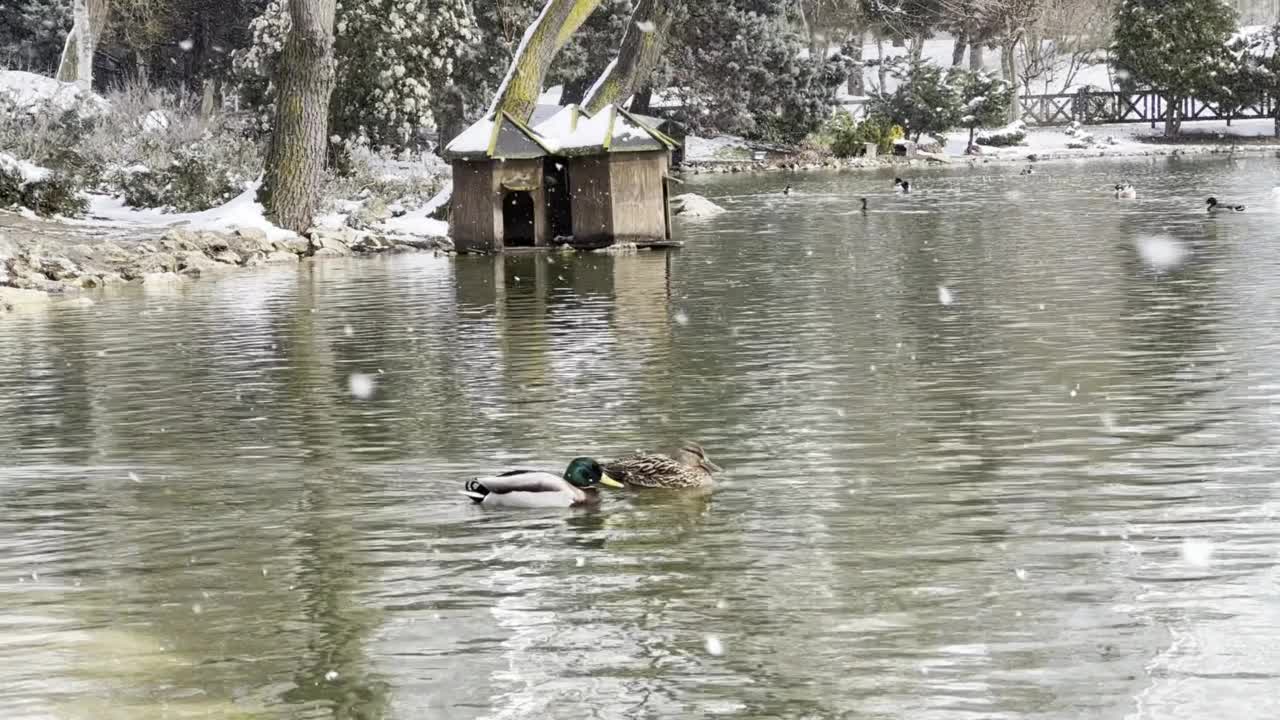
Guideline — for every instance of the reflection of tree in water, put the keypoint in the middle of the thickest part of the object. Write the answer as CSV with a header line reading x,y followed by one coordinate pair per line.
x,y
336,670
329,571
1171,320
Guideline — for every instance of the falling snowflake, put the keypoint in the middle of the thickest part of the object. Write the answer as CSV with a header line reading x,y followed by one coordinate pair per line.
x,y
186,45
646,26
331,675
1197,552
681,317
1021,574
361,385
714,646
944,296
1160,252
348,330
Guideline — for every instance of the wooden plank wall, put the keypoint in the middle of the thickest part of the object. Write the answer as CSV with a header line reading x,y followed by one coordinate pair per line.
x,y
592,193
639,212
472,217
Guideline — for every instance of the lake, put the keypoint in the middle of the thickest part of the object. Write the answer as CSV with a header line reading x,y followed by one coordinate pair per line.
x,y
1003,448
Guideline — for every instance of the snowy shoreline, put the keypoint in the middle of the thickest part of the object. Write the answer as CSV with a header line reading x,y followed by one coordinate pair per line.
x,y
713,167
1044,144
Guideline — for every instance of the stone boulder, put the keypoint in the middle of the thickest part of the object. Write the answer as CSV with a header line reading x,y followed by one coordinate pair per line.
x,y
691,205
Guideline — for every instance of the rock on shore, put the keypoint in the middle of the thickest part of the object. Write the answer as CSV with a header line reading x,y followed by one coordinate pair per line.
x,y
53,264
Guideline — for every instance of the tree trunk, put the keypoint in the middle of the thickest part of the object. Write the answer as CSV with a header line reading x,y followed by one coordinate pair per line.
x,y
1172,117
957,50
450,111
1009,59
638,55
972,129
882,73
975,56
917,48
1276,127
557,22
305,80
857,84
76,63
642,101
208,98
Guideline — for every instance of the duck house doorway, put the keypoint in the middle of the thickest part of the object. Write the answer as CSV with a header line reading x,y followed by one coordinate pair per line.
x,y
518,219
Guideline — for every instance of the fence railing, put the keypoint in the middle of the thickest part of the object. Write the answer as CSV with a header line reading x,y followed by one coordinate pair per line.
x,y
1096,108
1099,108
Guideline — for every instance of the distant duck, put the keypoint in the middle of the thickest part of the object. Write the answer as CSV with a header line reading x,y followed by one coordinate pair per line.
x,y
1028,170
537,489
786,190
1216,207
1125,191
902,186
864,205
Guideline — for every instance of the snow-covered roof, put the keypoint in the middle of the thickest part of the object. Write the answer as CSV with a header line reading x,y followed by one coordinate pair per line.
x,y
612,129
506,139
564,130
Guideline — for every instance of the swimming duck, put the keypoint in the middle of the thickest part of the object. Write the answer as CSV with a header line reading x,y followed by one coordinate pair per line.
x,y
864,205
1125,191
1028,170
1217,207
538,489
786,190
689,469
902,186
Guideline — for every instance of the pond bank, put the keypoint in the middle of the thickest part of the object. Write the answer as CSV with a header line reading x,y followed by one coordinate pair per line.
x,y
1029,155
42,258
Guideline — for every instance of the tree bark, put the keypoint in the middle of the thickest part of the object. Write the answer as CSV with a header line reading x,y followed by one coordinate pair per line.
x,y
559,19
642,44
76,63
975,56
1009,61
957,50
305,78
882,72
1172,119
642,101
450,111
857,84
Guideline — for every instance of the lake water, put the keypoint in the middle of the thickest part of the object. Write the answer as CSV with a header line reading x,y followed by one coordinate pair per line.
x,y
1005,448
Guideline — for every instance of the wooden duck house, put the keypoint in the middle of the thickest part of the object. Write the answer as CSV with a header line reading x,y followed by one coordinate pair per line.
x,y
589,181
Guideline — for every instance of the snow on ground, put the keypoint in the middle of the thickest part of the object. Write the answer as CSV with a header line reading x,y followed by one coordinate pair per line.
x,y
1117,139
242,211
721,147
26,89
419,222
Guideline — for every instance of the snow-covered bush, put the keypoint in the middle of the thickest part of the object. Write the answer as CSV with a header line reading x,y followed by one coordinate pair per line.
x,y
26,185
984,98
390,55
404,179
1007,136
150,146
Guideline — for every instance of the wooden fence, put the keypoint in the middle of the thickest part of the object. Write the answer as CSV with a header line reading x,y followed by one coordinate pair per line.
x,y
1096,108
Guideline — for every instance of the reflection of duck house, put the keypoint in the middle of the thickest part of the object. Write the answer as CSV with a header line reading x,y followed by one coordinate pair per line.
x,y
595,179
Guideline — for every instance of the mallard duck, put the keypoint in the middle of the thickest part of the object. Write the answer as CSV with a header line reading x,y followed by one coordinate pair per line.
x,y
1125,191
902,186
1217,207
691,468
864,205
538,489
786,190
1028,170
